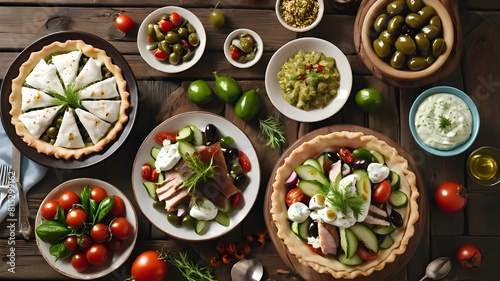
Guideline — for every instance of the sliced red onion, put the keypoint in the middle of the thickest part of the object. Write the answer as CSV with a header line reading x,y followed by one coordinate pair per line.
x,y
292,180
182,211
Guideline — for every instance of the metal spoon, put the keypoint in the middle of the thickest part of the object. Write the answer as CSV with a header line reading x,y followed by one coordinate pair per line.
x,y
247,270
437,269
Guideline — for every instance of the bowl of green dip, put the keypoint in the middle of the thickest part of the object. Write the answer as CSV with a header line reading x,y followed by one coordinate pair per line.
x,y
308,79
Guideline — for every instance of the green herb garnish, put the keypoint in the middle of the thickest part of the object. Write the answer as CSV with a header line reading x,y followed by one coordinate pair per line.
x,y
444,122
202,172
344,200
272,129
71,96
189,270
312,78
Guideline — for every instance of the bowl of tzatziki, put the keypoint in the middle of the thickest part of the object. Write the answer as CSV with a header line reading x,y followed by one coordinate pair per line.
x,y
444,121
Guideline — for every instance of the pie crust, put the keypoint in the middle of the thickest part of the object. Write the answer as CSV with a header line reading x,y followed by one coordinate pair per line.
x,y
330,264
26,68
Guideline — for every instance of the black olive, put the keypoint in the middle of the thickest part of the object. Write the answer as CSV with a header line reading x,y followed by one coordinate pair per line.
x,y
231,153
211,133
312,230
240,180
396,218
360,164
333,156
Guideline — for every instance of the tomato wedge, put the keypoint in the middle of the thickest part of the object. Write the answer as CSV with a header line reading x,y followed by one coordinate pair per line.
x,y
346,155
165,136
244,161
146,171
366,253
159,54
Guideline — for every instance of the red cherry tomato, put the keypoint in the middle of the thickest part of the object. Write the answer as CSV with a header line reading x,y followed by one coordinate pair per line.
x,y
382,192
165,136
146,171
150,39
451,197
346,155
68,199
76,218
320,68
244,161
166,26
114,244
469,257
98,194
97,254
85,241
148,267
185,43
121,228
293,196
100,233
124,23
366,253
79,262
159,54
71,243
175,18
235,53
236,199
154,175
49,209
118,207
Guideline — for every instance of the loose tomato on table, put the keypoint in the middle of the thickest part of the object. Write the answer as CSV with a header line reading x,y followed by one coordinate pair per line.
x,y
68,199
244,161
121,228
293,196
149,266
98,194
76,218
451,197
469,257
382,192
366,253
124,23
165,136
49,209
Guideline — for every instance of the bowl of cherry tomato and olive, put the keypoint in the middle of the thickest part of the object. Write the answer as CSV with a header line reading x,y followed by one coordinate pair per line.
x,y
243,48
86,228
407,40
171,39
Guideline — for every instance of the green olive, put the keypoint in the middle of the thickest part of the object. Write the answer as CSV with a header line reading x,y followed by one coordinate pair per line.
x,y
417,63
398,59
173,218
427,12
183,32
395,24
164,47
430,59
430,31
436,20
414,5
247,44
405,45
164,17
381,22
159,205
437,46
52,141
188,56
188,221
190,28
193,39
151,32
396,7
382,48
178,49
174,58
158,33
172,37
413,20
59,121
385,35
422,42
108,74
52,132
45,138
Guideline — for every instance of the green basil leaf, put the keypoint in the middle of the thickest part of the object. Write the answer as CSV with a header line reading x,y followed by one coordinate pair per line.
x,y
104,208
60,215
59,251
93,209
85,198
52,232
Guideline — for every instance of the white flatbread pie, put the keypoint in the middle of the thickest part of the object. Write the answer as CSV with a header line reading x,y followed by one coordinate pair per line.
x,y
38,121
33,98
67,66
69,135
105,89
95,126
44,77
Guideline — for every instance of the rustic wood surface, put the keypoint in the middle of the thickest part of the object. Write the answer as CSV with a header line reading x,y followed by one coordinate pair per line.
x,y
162,95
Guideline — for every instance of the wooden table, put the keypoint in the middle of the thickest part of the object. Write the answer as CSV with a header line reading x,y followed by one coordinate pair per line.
x,y
162,95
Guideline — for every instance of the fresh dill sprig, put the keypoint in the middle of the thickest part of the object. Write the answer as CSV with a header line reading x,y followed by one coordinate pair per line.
x,y
344,200
272,129
71,96
188,269
444,122
202,172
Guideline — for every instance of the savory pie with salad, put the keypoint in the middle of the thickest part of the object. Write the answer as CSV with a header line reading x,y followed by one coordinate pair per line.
x,y
345,204
69,100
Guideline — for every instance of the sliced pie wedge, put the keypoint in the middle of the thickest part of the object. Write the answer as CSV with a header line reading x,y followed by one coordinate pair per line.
x,y
33,98
38,121
67,66
69,135
107,110
44,77
95,126
105,89
91,72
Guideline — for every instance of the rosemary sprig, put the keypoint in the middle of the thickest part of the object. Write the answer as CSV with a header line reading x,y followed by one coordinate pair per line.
x,y
202,172
444,122
343,200
189,270
272,129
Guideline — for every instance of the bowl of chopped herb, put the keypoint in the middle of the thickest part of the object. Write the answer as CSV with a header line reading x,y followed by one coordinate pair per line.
x,y
299,15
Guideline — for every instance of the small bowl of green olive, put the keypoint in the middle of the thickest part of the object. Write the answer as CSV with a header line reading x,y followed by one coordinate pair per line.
x,y
243,48
171,39
407,40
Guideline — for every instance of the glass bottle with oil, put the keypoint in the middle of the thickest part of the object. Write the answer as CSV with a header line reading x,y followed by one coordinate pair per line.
x,y
483,165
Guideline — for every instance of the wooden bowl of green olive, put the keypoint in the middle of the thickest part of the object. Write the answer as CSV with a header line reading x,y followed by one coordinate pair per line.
x,y
407,40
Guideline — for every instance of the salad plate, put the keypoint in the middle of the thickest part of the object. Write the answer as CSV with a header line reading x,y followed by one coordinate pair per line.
x,y
249,189
116,258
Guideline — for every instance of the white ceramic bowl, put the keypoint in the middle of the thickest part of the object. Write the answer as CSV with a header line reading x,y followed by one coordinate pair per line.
x,y
142,40
115,258
321,10
308,44
233,35
250,189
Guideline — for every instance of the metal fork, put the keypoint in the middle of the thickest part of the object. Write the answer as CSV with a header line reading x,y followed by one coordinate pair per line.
x,y
4,181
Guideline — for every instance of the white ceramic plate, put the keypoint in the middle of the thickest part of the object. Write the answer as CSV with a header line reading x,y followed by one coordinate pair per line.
x,y
115,259
308,44
250,189
234,35
154,17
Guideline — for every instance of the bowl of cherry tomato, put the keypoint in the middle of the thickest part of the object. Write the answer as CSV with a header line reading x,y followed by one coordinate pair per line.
x,y
243,48
171,39
86,228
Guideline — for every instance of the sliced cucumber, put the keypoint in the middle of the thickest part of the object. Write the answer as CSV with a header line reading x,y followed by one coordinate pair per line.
x,y
222,218
154,152
308,172
303,229
353,261
151,189
313,162
198,136
349,242
185,134
160,178
152,164
226,208
294,226
386,242
310,188
377,157
363,184
185,148
201,227
394,180
383,229
365,236
398,199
